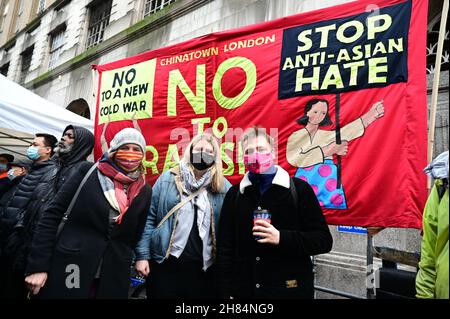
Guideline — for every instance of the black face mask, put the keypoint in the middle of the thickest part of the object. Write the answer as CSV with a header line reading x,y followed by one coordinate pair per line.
x,y
201,160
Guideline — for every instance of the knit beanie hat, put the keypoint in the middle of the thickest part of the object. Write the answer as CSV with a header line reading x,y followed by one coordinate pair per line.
x,y
127,136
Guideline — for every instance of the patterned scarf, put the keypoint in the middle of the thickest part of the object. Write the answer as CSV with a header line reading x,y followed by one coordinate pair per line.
x,y
118,188
190,183
204,210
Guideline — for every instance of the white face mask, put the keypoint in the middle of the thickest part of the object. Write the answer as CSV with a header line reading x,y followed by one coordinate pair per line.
x,y
11,175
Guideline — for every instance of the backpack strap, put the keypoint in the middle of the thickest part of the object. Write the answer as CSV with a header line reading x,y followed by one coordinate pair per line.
x,y
179,205
74,199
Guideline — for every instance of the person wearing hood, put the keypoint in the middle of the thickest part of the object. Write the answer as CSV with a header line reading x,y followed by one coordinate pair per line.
x,y
22,210
106,220
432,280
69,157
5,182
71,153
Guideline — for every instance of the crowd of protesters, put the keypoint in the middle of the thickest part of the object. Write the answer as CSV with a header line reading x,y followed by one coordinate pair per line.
x,y
59,210
192,235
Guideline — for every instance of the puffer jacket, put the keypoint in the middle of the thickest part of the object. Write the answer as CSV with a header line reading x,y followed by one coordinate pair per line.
x,y
4,200
30,194
5,184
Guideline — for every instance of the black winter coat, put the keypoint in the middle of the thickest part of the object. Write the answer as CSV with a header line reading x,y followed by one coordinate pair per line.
x,y
66,167
5,185
5,229
25,206
247,269
86,239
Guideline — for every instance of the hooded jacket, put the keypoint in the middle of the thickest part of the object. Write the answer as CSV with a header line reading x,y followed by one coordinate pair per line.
x,y
71,162
432,279
64,170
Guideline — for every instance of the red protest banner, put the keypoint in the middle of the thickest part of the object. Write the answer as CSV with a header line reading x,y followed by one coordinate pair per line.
x,y
342,90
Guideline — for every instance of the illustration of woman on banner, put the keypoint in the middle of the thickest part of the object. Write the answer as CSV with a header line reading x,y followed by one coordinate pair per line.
x,y
311,149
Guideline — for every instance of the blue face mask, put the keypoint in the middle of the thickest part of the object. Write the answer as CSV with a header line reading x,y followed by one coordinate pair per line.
x,y
3,167
33,153
11,175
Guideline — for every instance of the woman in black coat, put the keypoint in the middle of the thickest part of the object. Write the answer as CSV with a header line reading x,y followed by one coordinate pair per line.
x,y
91,257
269,257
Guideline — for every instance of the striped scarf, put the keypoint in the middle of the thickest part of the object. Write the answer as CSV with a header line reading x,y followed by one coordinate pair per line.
x,y
118,188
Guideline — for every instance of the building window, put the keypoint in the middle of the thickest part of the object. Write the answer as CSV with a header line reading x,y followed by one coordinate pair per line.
x,y
432,44
26,63
41,6
4,69
98,21
19,15
57,42
21,7
152,6
3,13
62,4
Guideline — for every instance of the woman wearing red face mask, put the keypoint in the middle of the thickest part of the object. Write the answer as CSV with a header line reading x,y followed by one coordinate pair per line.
x,y
92,255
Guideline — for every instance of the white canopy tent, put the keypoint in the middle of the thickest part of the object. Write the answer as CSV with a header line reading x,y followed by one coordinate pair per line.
x,y
24,113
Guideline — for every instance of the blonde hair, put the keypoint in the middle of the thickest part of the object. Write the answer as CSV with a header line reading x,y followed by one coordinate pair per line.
x,y
217,183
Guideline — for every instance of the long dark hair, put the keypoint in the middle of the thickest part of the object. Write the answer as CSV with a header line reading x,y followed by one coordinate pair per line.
x,y
304,119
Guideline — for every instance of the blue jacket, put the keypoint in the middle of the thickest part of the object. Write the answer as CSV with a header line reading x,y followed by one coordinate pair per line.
x,y
155,242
